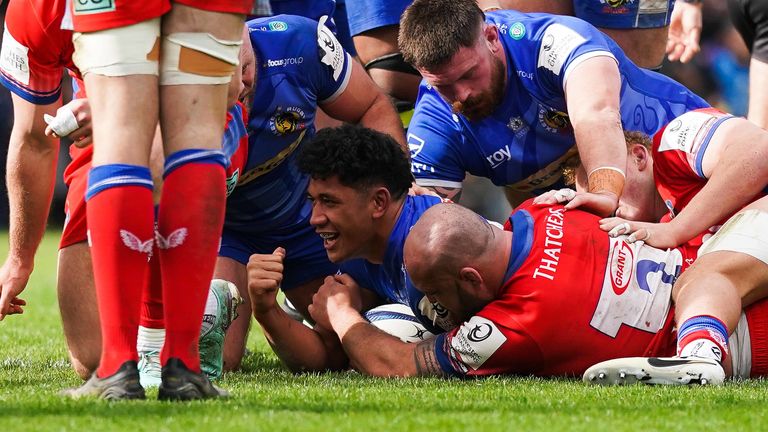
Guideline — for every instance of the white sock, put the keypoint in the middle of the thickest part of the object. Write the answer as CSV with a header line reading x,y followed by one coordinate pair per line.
x,y
211,312
150,339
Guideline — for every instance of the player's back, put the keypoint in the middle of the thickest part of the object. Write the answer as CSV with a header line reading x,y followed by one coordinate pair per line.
x,y
576,296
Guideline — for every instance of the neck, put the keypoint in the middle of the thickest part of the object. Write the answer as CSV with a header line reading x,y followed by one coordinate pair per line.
x,y
497,266
380,239
659,207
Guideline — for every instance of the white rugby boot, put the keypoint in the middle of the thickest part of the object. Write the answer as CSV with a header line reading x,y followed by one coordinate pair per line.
x,y
656,370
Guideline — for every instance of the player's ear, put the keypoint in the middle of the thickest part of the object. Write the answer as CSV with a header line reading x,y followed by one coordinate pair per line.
x,y
470,277
491,36
380,199
639,155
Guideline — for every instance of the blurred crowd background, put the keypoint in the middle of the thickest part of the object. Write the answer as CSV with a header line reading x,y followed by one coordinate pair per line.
x,y
719,73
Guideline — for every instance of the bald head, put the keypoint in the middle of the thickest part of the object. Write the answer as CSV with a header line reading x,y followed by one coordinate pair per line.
x,y
446,238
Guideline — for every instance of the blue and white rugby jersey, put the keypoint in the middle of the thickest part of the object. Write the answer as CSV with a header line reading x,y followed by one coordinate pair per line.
x,y
300,64
530,133
389,280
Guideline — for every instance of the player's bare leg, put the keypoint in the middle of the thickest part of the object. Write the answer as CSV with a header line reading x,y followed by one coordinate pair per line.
x,y
77,304
234,341
200,54
645,47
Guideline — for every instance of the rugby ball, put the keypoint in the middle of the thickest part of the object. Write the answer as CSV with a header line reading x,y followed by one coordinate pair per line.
x,y
399,321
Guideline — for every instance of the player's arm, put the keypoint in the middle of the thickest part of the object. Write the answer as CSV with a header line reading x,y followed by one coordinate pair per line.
x,y
734,164
592,94
299,347
363,102
371,351
30,176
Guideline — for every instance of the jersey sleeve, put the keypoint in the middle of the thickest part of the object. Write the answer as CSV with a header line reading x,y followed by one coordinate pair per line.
x,y
562,45
434,138
481,347
334,66
33,53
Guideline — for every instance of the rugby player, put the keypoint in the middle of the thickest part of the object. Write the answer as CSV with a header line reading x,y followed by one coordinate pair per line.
x,y
361,209
506,97
300,67
42,50
549,300
131,86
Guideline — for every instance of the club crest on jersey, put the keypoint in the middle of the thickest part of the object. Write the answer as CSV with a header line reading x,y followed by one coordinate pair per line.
x,y
616,7
86,7
621,262
288,121
553,120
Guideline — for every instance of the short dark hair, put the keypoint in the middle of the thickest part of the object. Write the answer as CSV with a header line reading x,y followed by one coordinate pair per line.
x,y
433,31
359,157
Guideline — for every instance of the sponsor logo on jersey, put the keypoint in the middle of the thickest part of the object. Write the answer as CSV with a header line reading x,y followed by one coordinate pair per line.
x,y
232,181
287,121
621,264
503,29
648,267
525,74
557,44
474,343
499,156
553,120
86,7
415,144
14,59
688,132
288,61
517,31
332,54
278,26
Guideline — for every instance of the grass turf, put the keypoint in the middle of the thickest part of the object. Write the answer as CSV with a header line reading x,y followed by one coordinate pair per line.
x,y
34,367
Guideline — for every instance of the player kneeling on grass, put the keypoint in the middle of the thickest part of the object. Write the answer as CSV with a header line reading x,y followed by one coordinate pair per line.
x,y
511,293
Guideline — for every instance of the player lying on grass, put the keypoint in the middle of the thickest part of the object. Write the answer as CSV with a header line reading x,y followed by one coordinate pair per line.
x,y
551,299
358,189
671,180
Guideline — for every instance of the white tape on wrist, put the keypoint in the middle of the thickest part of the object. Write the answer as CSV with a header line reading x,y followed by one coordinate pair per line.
x,y
64,123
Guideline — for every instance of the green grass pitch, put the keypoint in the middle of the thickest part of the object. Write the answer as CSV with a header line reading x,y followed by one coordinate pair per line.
x,y
34,367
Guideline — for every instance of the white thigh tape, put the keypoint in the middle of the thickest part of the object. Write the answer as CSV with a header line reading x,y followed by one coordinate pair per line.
x,y
198,58
746,232
120,51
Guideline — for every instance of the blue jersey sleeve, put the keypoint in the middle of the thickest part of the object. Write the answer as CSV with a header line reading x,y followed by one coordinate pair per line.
x,y
562,45
434,138
334,67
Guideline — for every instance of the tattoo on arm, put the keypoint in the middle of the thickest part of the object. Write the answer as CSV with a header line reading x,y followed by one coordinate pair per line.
x,y
425,359
452,193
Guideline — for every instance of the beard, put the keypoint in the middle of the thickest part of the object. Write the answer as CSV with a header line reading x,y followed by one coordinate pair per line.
x,y
482,105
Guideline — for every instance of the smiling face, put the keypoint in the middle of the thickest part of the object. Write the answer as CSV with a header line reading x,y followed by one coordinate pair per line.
x,y
343,217
473,81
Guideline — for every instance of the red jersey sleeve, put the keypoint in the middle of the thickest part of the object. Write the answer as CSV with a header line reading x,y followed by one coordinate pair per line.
x,y
35,50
